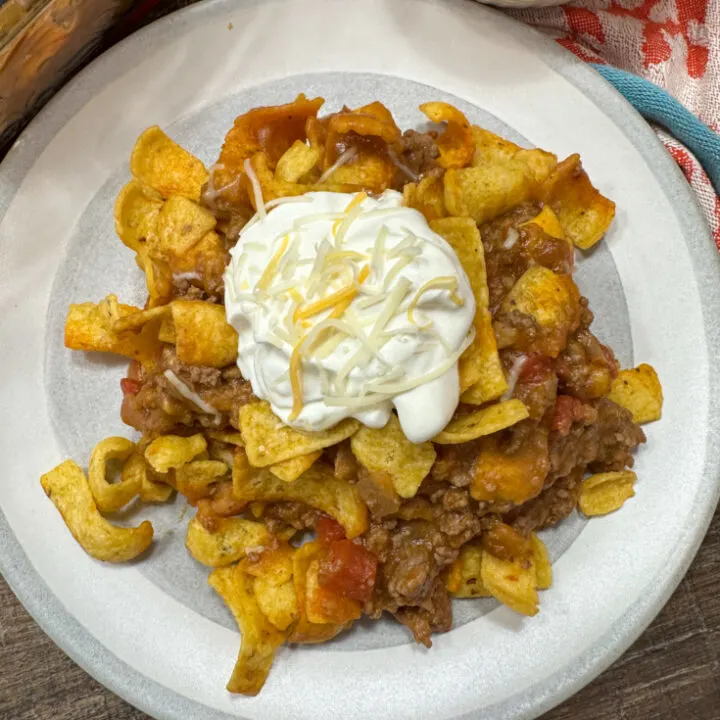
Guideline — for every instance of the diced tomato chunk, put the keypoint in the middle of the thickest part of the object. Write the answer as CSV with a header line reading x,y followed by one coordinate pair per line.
x,y
536,369
130,386
348,570
328,529
567,410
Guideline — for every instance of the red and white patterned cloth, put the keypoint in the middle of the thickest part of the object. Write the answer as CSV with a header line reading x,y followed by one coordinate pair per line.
x,y
673,43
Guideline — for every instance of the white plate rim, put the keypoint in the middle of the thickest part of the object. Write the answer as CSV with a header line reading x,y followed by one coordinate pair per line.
x,y
160,702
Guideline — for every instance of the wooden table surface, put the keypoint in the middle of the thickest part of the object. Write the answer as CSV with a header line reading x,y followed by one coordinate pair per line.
x,y
671,673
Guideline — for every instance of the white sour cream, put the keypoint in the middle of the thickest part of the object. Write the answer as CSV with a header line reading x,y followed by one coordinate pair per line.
x,y
360,302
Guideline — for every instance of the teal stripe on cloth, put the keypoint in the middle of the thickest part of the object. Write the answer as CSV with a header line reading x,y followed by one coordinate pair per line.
x,y
653,103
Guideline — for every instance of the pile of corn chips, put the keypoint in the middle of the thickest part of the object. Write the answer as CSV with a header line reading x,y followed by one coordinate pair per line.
x,y
176,215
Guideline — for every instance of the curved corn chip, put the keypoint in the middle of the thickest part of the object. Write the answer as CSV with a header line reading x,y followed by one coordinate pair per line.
x,y
268,441
495,150
387,450
485,421
166,331
277,602
317,487
585,214
161,163
136,469
203,335
268,129
427,196
290,470
368,121
181,224
138,320
606,492
369,130
298,160
553,303
67,487
541,561
260,638
456,144
229,437
274,564
548,222
510,583
373,172
170,452
111,497
480,368
639,391
228,544
481,361
90,327
159,280
502,176
136,213
464,577
195,479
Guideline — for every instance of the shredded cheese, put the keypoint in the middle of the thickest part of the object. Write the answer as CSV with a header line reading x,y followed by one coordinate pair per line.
x,y
256,188
402,166
189,394
296,380
514,375
397,388
270,204
336,255
271,267
511,238
439,283
395,297
341,296
377,262
395,269
341,231
343,159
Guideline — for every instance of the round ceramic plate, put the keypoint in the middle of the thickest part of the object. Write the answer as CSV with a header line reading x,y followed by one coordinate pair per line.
x,y
153,631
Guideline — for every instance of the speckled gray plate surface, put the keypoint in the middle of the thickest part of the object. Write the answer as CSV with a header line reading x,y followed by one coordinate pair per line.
x,y
153,631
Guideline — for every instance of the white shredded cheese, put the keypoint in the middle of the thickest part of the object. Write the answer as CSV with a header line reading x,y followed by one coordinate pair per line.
x,y
256,188
187,276
189,394
402,166
513,375
344,158
511,238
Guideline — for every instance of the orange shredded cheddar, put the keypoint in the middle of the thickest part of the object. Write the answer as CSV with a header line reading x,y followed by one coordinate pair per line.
x,y
272,265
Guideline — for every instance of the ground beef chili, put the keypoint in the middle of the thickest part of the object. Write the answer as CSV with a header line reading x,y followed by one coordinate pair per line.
x,y
419,153
399,564
152,404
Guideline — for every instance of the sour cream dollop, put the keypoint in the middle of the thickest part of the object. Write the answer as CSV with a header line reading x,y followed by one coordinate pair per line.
x,y
346,306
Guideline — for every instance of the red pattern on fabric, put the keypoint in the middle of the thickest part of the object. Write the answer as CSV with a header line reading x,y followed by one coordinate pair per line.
x,y
673,43
584,22
583,53
683,159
